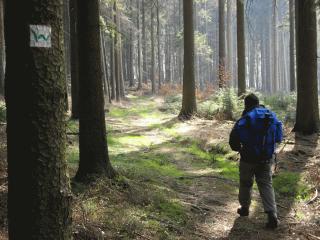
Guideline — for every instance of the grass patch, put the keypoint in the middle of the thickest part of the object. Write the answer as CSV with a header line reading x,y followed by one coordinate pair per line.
x,y
172,210
291,185
145,165
73,126
73,155
195,150
216,158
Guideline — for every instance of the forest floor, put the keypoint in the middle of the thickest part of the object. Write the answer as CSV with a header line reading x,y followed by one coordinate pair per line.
x,y
179,180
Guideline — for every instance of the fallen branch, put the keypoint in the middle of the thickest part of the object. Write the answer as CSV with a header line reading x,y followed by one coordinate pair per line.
x,y
315,237
315,196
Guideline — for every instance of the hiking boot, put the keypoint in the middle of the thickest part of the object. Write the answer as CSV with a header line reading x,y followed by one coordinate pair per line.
x,y
272,221
243,211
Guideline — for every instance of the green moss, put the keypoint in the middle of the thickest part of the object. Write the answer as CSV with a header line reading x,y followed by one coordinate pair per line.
x,y
73,155
226,168
195,150
73,126
145,165
171,210
290,184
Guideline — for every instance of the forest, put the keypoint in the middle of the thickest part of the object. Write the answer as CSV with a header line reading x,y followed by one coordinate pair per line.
x,y
159,120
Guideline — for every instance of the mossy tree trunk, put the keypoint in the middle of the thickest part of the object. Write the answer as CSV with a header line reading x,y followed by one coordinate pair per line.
x,y
241,48
39,191
307,119
189,106
94,159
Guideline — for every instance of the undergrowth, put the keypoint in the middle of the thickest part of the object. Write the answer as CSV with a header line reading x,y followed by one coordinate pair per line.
x,y
289,184
224,104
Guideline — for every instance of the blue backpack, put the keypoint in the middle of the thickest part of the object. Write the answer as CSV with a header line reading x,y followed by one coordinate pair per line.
x,y
259,130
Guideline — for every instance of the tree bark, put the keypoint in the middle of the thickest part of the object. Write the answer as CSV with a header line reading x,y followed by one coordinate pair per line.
x,y
152,77
275,80
222,45
292,48
241,48
74,59
229,41
189,106
144,43
139,47
94,158
39,196
2,49
307,119
160,76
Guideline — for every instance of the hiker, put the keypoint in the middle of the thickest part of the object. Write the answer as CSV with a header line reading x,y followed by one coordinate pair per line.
x,y
255,136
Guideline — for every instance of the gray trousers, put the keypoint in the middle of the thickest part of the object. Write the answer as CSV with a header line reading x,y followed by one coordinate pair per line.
x,y
263,176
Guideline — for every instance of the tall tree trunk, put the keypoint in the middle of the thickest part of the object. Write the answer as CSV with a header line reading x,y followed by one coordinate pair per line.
x,y
36,125
144,43
74,59
152,76
180,47
117,57
140,74
159,46
121,71
275,80
189,106
229,41
292,48
104,68
130,63
2,48
168,55
94,158
112,69
241,48
307,119
66,39
222,45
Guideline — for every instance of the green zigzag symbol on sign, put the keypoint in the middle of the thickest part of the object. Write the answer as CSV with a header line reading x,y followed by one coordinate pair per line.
x,y
38,37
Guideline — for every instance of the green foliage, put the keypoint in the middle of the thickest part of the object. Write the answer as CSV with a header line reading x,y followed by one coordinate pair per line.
x,y
290,184
202,46
224,104
73,126
284,105
172,104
